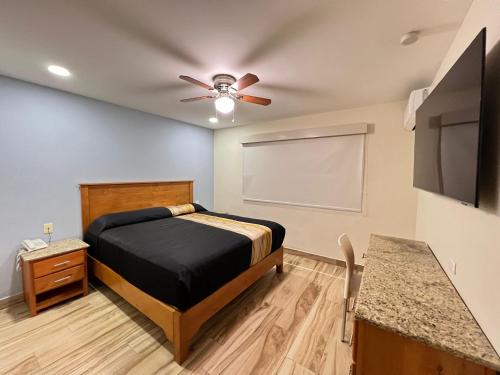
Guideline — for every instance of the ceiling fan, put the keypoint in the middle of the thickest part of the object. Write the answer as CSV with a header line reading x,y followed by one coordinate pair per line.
x,y
226,89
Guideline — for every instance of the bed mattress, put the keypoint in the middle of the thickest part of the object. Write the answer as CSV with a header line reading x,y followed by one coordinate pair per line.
x,y
177,261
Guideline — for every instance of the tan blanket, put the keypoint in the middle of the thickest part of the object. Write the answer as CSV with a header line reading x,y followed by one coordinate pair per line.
x,y
260,235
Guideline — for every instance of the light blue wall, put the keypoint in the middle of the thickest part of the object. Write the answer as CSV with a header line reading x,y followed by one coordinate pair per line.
x,y
50,141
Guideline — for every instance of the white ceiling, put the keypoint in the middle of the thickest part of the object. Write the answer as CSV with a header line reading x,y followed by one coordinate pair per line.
x,y
310,55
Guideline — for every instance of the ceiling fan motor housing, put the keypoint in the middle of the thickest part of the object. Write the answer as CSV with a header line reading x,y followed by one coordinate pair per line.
x,y
223,81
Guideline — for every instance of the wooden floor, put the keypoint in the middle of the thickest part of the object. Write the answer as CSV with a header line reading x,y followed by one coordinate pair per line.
x,y
284,324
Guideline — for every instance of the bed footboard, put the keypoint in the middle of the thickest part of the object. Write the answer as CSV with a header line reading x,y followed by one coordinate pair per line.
x,y
181,326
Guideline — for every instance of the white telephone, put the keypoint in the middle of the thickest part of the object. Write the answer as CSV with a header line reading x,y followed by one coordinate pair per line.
x,y
31,245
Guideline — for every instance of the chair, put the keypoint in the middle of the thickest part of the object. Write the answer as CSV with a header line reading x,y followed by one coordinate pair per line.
x,y
348,251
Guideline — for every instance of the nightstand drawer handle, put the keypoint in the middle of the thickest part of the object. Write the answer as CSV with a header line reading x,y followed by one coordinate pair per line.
x,y
61,264
62,279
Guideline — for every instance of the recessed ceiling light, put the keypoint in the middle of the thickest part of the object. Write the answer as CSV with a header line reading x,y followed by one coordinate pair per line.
x,y
59,70
213,120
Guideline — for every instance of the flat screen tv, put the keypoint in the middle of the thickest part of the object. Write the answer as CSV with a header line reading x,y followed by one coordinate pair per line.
x,y
448,129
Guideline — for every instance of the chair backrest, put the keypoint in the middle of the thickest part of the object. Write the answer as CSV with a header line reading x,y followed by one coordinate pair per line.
x,y
347,250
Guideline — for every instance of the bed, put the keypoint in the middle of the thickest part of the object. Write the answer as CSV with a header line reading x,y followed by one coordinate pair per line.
x,y
176,262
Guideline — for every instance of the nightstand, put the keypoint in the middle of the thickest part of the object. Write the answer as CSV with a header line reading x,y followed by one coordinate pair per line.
x,y
54,274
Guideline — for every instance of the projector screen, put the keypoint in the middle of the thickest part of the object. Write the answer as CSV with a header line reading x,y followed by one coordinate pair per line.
x,y
322,172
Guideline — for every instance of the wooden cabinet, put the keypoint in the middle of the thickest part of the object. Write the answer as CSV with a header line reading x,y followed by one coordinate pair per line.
x,y
54,274
380,352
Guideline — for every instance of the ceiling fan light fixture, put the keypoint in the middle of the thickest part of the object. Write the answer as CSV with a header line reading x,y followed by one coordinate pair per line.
x,y
224,104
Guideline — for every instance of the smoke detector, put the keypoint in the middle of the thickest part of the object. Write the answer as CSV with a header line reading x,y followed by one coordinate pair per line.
x,y
409,38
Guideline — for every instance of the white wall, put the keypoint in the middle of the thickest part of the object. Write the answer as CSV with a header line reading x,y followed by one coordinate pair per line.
x,y
390,200
468,235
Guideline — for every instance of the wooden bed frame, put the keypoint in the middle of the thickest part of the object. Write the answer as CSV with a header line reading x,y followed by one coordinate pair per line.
x,y
179,326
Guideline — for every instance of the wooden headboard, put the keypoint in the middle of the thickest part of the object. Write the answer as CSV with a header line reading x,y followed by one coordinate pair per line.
x,y
102,199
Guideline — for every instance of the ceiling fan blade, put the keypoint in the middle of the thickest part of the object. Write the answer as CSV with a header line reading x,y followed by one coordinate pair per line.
x,y
254,99
245,81
196,82
197,98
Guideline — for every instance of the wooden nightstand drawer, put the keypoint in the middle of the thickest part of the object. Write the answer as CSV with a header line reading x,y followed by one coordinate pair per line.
x,y
47,266
58,279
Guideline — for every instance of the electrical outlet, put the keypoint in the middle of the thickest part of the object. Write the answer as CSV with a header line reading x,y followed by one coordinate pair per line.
x,y
452,267
48,228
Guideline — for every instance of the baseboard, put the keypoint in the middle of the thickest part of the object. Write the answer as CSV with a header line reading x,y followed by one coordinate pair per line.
x,y
11,300
321,258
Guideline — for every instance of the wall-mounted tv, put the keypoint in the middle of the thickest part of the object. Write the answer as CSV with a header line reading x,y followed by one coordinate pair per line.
x,y
448,129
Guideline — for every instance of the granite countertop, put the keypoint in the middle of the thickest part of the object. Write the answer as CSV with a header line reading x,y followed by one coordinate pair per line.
x,y
405,290
55,248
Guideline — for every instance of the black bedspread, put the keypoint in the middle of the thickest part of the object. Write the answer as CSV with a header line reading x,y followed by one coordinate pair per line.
x,y
177,261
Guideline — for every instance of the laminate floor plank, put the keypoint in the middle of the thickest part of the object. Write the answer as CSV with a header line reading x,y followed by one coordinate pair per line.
x,y
289,367
85,348
286,324
240,352
29,365
12,313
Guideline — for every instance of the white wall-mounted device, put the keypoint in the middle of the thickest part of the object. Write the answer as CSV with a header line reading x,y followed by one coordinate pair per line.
x,y
416,98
